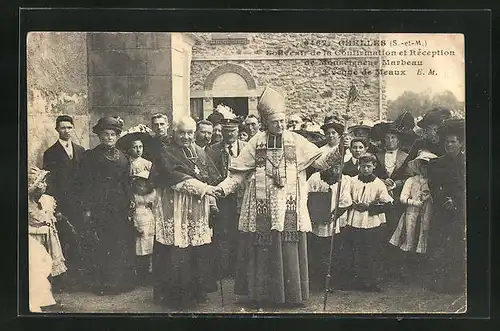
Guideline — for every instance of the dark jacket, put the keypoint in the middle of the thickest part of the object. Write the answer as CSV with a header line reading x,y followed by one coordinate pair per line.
x,y
63,182
399,174
446,243
350,169
447,179
174,166
424,144
220,157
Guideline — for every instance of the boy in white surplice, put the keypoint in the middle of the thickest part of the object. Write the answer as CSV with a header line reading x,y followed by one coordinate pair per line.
x,y
365,224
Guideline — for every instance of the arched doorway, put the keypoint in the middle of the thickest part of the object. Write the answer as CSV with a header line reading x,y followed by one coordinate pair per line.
x,y
231,85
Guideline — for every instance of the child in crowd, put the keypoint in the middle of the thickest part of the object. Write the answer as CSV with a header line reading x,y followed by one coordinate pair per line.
x,y
40,267
365,225
412,230
322,198
359,146
46,258
144,210
42,219
144,204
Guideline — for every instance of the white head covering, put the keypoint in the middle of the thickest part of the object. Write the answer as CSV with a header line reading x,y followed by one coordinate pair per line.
x,y
423,155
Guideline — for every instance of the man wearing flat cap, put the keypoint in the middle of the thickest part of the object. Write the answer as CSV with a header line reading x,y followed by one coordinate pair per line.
x,y
226,226
63,160
274,218
447,184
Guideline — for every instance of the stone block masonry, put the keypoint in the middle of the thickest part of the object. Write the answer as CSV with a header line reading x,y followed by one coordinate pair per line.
x,y
301,65
130,75
56,84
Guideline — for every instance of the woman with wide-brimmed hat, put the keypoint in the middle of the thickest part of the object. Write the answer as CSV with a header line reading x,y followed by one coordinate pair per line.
x,y
430,141
106,200
405,123
412,231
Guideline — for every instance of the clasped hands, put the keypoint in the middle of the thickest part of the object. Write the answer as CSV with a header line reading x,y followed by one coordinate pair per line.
x,y
215,191
360,206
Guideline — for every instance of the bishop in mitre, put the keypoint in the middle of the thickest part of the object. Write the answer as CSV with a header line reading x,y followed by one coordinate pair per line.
x,y
274,217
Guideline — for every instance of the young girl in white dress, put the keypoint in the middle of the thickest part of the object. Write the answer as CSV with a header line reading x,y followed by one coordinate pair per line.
x,y
45,253
412,230
145,209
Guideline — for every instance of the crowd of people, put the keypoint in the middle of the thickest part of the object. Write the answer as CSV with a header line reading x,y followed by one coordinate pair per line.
x,y
182,208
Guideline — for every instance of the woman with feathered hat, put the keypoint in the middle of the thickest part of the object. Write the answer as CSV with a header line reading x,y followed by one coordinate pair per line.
x,y
106,199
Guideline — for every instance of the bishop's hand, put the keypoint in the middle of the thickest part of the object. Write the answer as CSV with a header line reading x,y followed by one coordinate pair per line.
x,y
215,191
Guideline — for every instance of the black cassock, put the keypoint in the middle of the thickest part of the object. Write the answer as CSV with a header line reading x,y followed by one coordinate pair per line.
x,y
446,242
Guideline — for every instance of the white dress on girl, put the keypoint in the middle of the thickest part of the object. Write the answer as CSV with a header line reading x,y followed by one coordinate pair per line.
x,y
41,220
40,268
415,195
146,207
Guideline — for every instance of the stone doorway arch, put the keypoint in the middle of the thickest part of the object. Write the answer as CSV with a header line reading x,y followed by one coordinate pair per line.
x,y
228,80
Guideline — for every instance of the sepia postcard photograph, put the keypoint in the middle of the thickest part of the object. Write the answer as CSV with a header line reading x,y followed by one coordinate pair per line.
x,y
252,172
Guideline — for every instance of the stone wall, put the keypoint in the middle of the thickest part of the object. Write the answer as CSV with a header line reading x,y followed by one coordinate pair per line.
x,y
56,84
130,75
311,87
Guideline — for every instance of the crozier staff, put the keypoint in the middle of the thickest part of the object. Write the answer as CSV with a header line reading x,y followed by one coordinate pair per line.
x,y
274,214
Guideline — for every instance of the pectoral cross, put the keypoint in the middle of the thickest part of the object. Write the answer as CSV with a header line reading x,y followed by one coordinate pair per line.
x,y
196,170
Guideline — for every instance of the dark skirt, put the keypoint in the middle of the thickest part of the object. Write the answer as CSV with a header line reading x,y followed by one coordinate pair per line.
x,y
181,275
447,253
273,267
225,239
111,256
361,255
319,255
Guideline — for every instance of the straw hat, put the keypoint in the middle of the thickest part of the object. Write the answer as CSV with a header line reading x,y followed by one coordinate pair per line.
x,y
139,132
423,156
35,177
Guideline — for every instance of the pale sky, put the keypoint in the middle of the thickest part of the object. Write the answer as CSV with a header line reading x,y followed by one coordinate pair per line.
x,y
450,69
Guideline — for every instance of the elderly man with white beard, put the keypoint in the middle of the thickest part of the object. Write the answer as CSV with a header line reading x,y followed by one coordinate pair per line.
x,y
183,235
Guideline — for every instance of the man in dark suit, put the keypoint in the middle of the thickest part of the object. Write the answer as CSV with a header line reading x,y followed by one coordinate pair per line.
x,y
226,225
392,170
63,160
